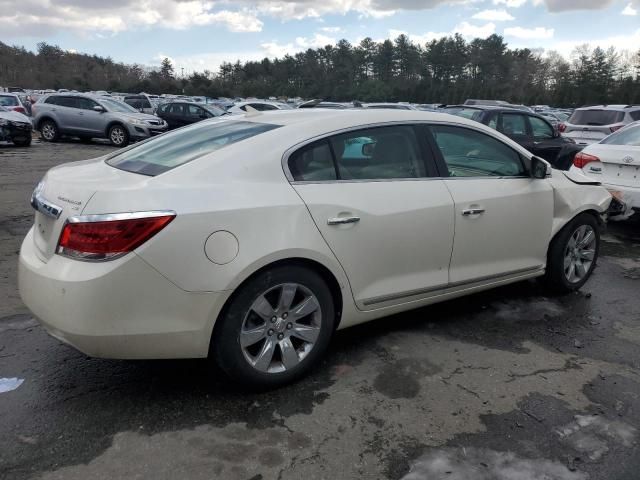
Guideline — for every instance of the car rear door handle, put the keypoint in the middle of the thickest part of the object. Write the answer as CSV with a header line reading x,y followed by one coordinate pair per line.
x,y
342,220
472,211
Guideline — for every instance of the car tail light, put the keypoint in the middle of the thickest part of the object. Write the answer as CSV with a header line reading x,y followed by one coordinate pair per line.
x,y
106,237
19,109
615,128
582,159
562,127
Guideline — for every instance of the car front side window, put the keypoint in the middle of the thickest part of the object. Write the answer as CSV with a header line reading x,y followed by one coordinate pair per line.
x,y
514,124
540,128
469,153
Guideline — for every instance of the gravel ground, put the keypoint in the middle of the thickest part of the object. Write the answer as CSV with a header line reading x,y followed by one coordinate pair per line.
x,y
508,384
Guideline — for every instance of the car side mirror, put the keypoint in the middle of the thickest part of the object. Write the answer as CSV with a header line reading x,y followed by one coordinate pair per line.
x,y
367,149
98,108
539,168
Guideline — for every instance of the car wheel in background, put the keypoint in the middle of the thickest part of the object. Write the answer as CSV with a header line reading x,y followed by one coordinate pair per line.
x,y
573,254
275,328
49,131
118,136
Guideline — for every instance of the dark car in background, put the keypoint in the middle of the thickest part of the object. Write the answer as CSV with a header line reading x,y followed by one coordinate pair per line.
x,y
15,127
180,114
530,130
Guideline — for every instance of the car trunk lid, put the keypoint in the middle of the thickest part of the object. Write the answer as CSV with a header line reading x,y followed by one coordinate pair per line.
x,y
66,190
620,164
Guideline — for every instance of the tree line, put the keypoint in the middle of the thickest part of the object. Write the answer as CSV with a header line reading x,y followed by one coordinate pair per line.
x,y
446,70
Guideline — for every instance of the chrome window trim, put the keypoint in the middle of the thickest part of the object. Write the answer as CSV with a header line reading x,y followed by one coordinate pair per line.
x,y
109,217
293,149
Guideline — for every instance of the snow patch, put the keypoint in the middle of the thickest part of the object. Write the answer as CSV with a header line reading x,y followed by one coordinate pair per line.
x,y
483,464
590,434
8,384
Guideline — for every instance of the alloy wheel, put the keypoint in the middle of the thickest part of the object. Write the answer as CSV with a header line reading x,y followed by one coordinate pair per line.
x,y
281,328
117,135
48,131
579,253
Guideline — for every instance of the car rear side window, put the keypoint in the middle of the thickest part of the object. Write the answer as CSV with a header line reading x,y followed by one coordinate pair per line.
x,y
469,153
313,163
627,136
596,117
173,149
514,124
635,115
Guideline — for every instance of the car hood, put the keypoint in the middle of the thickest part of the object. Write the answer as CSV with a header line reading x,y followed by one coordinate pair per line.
x,y
15,117
139,116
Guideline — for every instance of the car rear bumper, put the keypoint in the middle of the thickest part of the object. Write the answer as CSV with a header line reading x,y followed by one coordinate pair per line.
x,y
118,309
629,195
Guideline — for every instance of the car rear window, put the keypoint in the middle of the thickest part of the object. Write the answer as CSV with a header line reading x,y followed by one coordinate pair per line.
x,y
626,136
596,117
173,149
469,113
8,100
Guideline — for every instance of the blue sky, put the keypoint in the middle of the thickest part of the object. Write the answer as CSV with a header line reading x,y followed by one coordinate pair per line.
x,y
199,34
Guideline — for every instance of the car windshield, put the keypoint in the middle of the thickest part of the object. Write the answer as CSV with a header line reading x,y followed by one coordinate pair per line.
x,y
596,117
215,111
627,136
8,100
461,112
115,106
176,148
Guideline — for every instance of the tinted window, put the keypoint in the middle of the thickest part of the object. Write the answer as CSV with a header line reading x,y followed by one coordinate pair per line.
x,y
262,107
469,153
635,115
493,122
176,109
86,103
116,106
378,153
514,124
461,111
626,136
313,163
540,128
8,100
195,111
161,108
596,117
181,146
53,100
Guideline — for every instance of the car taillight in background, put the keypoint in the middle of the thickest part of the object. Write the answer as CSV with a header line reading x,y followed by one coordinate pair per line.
x,y
582,159
106,237
562,127
18,109
615,128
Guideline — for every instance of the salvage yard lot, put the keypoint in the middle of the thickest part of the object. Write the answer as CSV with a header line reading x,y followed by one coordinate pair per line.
x,y
511,380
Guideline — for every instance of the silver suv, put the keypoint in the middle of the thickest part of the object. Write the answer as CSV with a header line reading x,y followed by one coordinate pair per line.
x,y
90,116
589,125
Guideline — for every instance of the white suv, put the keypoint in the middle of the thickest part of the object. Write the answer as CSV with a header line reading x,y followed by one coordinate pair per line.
x,y
589,125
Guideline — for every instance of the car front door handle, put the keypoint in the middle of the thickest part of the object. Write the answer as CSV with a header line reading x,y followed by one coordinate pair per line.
x,y
342,220
472,211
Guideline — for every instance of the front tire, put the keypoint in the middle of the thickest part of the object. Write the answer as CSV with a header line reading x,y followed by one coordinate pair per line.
x,y
49,131
573,254
275,329
118,136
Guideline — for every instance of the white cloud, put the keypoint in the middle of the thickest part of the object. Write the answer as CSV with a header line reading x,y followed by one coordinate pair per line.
x,y
208,61
630,11
279,50
510,3
418,39
475,31
567,5
493,15
331,29
529,33
617,41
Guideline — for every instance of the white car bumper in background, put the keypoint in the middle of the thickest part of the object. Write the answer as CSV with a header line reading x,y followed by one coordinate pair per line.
x,y
117,309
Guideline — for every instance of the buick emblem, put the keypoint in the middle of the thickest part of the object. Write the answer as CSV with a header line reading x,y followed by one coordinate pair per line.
x,y
627,159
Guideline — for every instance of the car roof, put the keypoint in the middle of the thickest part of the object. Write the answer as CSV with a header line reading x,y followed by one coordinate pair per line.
x,y
620,108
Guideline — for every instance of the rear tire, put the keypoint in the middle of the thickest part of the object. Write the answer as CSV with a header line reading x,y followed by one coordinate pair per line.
x,y
49,131
286,339
573,254
118,136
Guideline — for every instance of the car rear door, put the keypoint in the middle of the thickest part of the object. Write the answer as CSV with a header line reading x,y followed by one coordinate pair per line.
x,y
374,197
503,218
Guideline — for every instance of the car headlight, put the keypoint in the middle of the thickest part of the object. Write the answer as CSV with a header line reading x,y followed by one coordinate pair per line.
x,y
135,121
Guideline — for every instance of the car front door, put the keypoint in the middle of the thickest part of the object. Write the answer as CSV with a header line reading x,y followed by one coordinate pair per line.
x,y
503,217
179,115
546,144
376,201
67,114
91,121
516,127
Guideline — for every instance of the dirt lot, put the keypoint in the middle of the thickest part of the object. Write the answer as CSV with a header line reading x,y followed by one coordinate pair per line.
x,y
506,383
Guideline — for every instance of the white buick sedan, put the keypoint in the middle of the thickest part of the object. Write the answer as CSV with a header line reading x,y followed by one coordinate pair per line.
x,y
253,238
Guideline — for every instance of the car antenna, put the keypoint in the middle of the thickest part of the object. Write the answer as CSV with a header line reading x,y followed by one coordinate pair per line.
x,y
251,112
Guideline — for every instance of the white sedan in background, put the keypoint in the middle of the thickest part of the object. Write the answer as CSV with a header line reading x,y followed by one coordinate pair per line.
x,y
259,105
615,161
253,238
